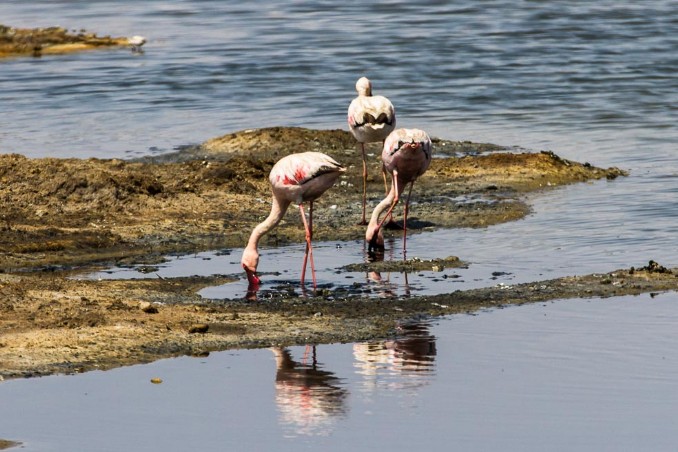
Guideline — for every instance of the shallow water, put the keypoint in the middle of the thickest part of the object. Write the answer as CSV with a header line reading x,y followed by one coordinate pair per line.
x,y
591,81
560,238
566,375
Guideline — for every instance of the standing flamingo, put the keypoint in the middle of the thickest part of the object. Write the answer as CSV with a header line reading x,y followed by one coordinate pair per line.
x,y
406,155
370,118
295,178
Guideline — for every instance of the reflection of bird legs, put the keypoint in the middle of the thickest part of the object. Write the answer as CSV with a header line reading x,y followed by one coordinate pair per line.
x,y
407,208
305,357
363,222
252,290
407,285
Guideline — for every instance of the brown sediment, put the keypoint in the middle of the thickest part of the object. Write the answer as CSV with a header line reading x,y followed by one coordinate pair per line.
x,y
74,211
64,213
5,444
51,324
51,41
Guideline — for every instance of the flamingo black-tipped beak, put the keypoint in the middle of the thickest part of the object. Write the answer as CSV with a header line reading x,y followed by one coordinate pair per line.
x,y
252,277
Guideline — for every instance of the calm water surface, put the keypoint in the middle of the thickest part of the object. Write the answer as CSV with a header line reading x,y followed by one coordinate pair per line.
x,y
568,375
591,81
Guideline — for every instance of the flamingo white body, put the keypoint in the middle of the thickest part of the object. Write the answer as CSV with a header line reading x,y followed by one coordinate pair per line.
x,y
296,178
370,118
406,156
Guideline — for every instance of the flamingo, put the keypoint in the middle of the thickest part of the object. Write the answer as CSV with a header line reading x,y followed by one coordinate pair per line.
x,y
406,156
297,178
370,118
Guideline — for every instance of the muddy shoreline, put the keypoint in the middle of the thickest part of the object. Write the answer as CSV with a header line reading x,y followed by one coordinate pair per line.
x,y
65,326
64,216
36,42
75,212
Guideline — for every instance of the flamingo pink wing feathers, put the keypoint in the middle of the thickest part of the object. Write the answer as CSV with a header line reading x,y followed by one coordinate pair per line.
x,y
299,169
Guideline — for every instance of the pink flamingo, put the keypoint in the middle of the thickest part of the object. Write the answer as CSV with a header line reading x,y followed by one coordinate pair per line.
x,y
406,155
295,178
370,118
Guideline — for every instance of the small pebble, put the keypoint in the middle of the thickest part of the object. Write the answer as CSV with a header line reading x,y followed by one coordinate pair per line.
x,y
148,308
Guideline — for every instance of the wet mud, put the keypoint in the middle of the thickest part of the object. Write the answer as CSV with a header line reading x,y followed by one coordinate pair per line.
x,y
5,444
15,42
65,216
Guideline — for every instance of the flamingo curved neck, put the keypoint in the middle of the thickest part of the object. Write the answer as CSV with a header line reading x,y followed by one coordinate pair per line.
x,y
278,210
378,210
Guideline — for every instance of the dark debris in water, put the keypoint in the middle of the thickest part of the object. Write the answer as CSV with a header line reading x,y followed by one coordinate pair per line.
x,y
651,267
406,266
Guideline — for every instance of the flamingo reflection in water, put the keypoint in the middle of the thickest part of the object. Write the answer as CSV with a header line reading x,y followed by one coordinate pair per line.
x,y
383,286
309,398
404,363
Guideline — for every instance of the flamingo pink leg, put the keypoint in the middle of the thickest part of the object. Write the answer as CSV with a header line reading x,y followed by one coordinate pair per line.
x,y
364,221
306,352
383,174
407,208
308,226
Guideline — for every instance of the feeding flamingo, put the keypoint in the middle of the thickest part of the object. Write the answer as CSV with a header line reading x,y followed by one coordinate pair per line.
x,y
406,155
370,118
297,178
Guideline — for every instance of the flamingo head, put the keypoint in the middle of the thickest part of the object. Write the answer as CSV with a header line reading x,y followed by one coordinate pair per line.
x,y
252,277
412,145
363,86
249,262
374,237
409,141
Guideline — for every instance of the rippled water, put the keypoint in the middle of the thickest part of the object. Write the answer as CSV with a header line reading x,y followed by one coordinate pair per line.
x,y
560,75
592,81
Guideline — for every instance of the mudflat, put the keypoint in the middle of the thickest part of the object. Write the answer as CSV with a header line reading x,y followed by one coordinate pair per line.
x,y
63,216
